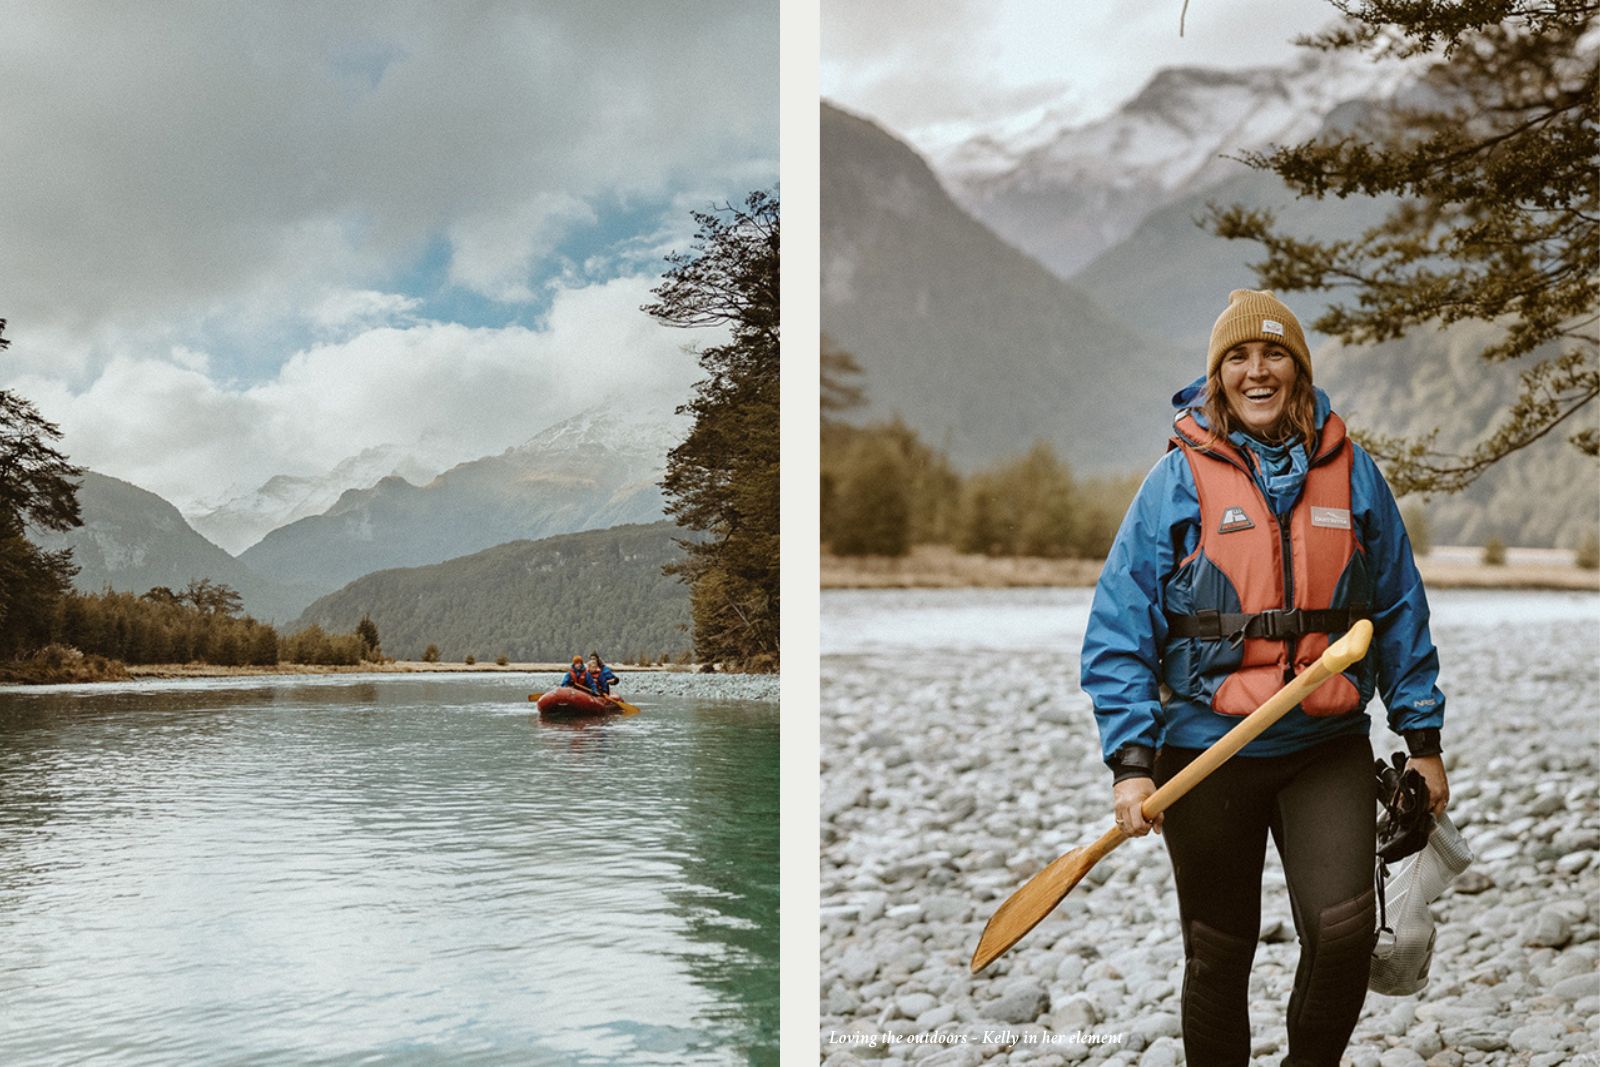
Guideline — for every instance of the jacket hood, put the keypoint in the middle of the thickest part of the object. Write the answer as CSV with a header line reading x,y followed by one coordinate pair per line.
x,y
1193,395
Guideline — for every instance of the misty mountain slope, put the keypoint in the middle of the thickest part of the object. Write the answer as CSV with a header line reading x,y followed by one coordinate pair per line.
x,y
1547,494
977,345
1065,193
242,520
596,469
132,540
1174,276
537,601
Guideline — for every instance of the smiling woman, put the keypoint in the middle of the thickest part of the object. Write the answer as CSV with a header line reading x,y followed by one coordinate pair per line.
x,y
1262,536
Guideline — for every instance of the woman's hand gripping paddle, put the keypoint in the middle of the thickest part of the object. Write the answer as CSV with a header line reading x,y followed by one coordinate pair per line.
x,y
1039,896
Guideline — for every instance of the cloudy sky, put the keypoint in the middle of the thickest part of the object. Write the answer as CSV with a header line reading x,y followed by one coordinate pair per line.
x,y
935,71
242,239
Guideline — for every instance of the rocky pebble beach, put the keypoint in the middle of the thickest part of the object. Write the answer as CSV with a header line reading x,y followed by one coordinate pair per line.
x,y
942,794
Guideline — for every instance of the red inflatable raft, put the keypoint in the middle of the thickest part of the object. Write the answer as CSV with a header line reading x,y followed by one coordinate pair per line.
x,y
566,702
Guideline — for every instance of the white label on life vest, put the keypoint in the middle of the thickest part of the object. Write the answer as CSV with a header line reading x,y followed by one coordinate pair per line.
x,y
1272,326
1332,518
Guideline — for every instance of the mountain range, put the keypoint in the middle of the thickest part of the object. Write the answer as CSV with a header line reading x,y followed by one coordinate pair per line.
x,y
975,342
592,471
1064,193
1100,304
132,540
243,519
540,601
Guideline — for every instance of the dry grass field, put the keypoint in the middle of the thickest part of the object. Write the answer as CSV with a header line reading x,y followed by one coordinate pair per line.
x,y
940,567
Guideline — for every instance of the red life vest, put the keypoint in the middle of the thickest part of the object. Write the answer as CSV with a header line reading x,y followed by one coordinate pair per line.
x,y
1294,583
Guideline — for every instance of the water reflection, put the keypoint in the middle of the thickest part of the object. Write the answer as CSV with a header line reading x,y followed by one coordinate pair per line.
x,y
284,872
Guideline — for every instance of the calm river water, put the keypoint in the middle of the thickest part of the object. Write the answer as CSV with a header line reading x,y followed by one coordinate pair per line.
x,y
390,869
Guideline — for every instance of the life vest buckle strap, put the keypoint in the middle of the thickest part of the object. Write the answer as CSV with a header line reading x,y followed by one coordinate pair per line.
x,y
1278,624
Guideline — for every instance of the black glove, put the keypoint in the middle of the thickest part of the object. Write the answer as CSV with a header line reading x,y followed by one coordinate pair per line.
x,y
1404,826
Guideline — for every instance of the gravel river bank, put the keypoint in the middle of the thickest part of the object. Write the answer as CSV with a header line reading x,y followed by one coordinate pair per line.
x,y
941,795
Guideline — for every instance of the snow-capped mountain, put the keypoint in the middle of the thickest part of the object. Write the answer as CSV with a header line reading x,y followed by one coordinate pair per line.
x,y
1064,193
594,470
242,520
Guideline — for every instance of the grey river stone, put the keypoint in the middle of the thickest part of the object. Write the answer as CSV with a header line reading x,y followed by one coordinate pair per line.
x,y
1002,784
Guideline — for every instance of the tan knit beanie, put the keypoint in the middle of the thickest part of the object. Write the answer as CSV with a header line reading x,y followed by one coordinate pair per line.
x,y
1256,315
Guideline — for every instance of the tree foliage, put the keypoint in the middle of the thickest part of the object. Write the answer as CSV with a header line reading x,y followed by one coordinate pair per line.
x,y
38,489
161,627
1490,161
884,490
722,480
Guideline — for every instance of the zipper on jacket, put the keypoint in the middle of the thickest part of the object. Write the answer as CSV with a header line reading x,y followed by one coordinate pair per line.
x,y
1288,592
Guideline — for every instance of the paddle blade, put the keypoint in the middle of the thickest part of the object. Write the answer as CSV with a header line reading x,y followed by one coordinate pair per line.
x,y
1023,909
627,708
535,696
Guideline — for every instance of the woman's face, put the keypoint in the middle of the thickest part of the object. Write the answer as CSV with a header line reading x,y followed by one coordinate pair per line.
x,y
1257,378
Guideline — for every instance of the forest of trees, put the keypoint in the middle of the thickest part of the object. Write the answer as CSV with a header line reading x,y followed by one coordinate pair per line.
x,y
197,625
532,601
884,490
722,480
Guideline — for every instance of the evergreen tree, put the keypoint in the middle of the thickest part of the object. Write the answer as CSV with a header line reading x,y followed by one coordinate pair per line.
x,y
872,507
722,480
1491,163
367,630
37,488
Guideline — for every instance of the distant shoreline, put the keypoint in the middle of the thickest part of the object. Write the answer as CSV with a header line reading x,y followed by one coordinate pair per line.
x,y
209,670
940,567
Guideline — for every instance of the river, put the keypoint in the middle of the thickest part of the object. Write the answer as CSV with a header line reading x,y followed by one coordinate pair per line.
x,y
402,869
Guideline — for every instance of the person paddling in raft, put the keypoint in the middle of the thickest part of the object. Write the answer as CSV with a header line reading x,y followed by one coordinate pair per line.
x,y
1261,536
577,677
604,677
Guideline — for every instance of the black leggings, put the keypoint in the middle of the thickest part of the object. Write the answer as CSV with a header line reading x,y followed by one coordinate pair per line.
x,y
1318,806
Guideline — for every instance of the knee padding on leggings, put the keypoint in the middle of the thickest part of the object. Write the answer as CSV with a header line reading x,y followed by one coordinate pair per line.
x,y
1332,984
1216,988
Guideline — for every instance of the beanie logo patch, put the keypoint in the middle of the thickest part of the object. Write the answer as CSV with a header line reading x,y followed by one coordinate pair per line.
x,y
1234,519
1272,326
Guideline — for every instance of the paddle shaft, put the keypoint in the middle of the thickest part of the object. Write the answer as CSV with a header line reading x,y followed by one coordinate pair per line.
x,y
1251,727
1037,897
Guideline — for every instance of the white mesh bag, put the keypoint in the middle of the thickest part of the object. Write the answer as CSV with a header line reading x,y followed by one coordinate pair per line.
x,y
1403,954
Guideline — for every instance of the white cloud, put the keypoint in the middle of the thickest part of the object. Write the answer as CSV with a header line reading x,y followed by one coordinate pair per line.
x,y
209,169
345,309
454,391
495,252
929,70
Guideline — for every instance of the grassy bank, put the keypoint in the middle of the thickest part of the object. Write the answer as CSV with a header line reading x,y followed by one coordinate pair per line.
x,y
940,567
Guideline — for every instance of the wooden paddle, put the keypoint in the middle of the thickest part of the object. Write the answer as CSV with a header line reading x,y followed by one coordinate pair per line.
x,y
625,707
1040,894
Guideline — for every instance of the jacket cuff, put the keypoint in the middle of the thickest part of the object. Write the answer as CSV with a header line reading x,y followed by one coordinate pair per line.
x,y
1423,742
1132,761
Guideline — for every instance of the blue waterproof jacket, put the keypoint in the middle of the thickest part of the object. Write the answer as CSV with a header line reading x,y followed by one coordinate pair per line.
x,y
1127,631
607,679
